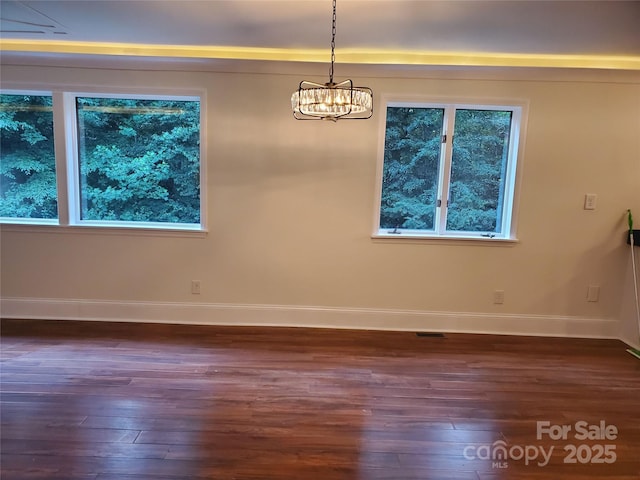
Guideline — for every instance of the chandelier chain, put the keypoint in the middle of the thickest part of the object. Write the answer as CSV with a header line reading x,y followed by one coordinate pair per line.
x,y
333,42
332,101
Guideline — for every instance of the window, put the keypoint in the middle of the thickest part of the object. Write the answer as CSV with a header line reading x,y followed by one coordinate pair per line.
x,y
129,161
28,166
139,159
449,170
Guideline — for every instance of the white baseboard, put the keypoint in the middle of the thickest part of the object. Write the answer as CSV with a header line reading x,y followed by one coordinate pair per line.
x,y
631,341
308,316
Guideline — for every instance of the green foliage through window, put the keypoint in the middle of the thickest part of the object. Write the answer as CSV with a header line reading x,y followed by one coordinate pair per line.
x,y
139,160
476,192
27,157
411,166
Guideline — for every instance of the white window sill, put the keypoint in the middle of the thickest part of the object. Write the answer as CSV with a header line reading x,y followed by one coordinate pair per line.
x,y
128,230
442,239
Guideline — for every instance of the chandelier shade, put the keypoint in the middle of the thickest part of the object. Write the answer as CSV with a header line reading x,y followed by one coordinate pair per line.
x,y
332,101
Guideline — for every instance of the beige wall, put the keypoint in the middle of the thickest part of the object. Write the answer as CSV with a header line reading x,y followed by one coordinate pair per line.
x,y
290,208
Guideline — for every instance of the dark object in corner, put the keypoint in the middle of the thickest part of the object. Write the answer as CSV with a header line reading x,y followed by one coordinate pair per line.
x,y
636,238
430,334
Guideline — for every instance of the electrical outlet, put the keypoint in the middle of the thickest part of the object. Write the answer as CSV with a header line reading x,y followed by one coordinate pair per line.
x,y
590,201
498,297
195,287
593,294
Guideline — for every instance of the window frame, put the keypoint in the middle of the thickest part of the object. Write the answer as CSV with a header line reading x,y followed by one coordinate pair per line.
x,y
513,174
65,127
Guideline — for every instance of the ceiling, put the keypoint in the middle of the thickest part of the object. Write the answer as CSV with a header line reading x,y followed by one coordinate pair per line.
x,y
374,31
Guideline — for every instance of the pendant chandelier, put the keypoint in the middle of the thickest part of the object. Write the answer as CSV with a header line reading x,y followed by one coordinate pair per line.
x,y
332,101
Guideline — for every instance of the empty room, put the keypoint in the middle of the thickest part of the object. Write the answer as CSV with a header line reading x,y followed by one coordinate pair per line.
x,y
319,239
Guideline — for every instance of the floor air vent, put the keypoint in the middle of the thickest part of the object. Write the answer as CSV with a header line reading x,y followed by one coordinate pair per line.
x,y
430,334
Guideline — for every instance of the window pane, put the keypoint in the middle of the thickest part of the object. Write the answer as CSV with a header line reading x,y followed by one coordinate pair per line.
x,y
28,166
413,142
139,159
478,169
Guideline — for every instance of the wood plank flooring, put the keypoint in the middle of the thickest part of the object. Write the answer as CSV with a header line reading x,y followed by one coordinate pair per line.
x,y
114,401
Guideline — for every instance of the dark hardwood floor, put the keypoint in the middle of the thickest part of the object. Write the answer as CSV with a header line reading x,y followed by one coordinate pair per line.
x,y
113,401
